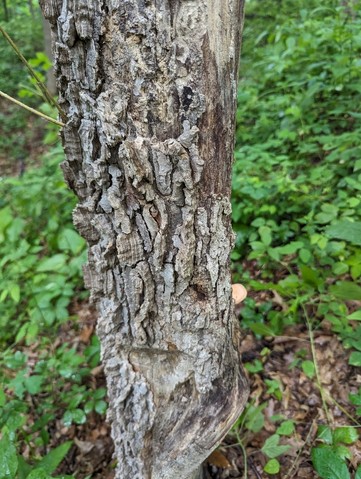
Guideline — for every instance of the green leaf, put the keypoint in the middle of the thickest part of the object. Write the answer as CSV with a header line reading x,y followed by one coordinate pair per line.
x,y
286,428
254,418
8,458
358,473
101,407
324,433
69,240
2,398
262,329
305,255
355,316
310,276
291,247
345,230
355,359
254,367
6,218
14,291
272,467
33,384
324,218
76,415
346,435
342,452
54,263
52,460
272,448
38,473
346,290
308,368
265,233
339,268
328,465
24,468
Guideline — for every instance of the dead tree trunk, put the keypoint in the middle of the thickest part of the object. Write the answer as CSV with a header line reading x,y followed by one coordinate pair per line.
x,y
149,87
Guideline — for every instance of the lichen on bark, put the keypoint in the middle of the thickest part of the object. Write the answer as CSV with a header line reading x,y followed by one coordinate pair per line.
x,y
149,88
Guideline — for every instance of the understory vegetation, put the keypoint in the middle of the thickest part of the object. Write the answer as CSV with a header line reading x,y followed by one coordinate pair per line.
x,y
297,217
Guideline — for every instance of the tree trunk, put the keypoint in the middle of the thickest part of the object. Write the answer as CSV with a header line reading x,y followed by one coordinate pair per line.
x,y
149,87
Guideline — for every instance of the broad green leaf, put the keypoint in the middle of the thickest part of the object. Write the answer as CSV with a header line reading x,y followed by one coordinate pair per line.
x,y
24,468
54,263
254,418
76,415
272,448
308,368
262,329
346,435
342,452
339,268
52,460
14,291
345,230
324,433
8,458
101,407
358,473
266,235
38,473
324,218
346,290
328,465
2,397
6,218
286,428
69,240
291,247
33,384
355,359
305,255
254,367
355,316
310,276
272,467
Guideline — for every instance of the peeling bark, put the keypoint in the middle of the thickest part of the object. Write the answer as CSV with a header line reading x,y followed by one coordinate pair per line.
x,y
149,88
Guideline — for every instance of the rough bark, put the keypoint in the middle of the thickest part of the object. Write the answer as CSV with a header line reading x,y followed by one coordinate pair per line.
x,y
149,87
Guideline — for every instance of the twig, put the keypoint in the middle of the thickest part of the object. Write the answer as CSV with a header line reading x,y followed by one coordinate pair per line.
x,y
318,378
244,452
346,413
32,110
47,95
254,468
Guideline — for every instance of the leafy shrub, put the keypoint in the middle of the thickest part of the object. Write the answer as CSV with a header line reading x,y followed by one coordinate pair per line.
x,y
42,381
296,185
41,254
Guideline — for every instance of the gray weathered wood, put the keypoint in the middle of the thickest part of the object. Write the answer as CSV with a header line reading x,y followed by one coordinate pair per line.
x,y
149,87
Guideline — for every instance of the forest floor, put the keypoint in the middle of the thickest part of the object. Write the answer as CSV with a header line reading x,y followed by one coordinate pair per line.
x,y
297,397
299,400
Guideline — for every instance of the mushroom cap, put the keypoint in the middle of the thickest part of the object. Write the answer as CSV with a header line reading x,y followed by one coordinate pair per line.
x,y
239,293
